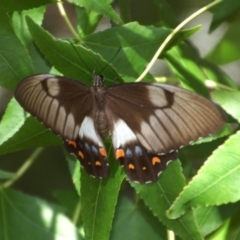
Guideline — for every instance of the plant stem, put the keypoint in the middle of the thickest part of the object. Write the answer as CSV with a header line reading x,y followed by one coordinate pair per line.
x,y
76,213
65,17
170,36
23,168
170,235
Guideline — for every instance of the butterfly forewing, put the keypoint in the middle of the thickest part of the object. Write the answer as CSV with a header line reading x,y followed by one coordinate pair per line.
x,y
58,102
67,107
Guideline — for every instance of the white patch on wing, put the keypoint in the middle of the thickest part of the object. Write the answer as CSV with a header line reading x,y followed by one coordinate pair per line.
x,y
149,133
52,112
53,86
60,123
166,128
46,103
32,98
129,153
87,129
143,141
76,131
157,96
122,134
95,150
69,127
138,151
41,77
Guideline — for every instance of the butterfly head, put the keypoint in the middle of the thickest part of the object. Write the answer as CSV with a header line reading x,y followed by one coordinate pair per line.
x,y
97,81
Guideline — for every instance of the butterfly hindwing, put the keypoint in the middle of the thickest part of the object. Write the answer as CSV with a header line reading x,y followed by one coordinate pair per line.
x,y
90,149
92,157
140,165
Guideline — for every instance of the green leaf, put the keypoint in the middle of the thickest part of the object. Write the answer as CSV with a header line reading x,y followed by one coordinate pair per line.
x,y
233,227
221,233
132,58
159,196
64,57
214,73
73,61
137,222
87,21
220,171
15,5
75,169
229,101
21,30
180,60
223,11
13,118
24,217
99,198
20,26
5,175
67,199
225,131
14,59
103,7
193,71
211,218
227,50
32,134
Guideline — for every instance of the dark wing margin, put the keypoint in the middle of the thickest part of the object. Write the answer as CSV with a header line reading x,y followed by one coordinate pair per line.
x,y
89,149
140,165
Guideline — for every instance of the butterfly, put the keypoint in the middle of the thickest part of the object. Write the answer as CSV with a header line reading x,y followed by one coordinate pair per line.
x,y
148,122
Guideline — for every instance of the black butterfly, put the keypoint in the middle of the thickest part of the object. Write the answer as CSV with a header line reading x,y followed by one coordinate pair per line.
x,y
148,122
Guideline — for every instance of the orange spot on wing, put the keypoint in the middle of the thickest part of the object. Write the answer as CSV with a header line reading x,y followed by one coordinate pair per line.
x,y
80,154
98,163
131,166
102,152
119,153
72,143
156,160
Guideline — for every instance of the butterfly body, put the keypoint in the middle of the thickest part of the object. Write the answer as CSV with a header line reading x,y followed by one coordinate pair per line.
x,y
148,122
101,121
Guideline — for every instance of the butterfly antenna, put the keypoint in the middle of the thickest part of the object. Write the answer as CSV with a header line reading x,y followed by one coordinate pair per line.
x,y
96,59
81,57
110,60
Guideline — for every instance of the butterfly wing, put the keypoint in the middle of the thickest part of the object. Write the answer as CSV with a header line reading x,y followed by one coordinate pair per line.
x,y
151,121
67,107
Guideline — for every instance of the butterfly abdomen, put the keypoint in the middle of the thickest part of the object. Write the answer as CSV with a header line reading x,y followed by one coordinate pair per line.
x,y
101,124
101,121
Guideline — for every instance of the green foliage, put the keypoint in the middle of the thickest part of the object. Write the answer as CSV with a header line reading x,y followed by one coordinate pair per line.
x,y
203,203
43,220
